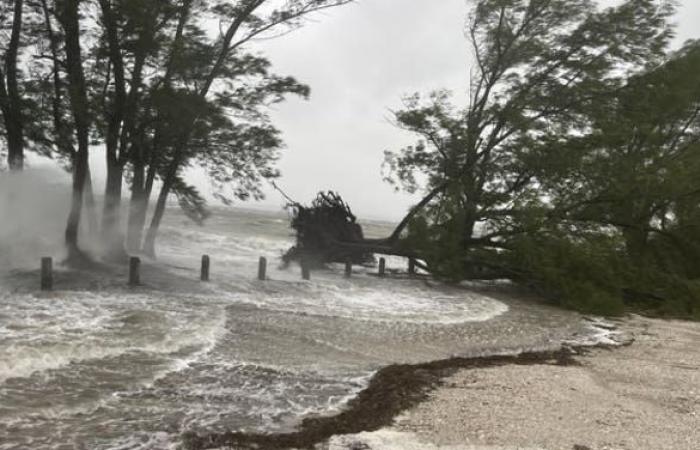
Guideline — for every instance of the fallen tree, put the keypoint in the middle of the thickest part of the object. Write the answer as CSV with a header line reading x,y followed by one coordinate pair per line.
x,y
327,231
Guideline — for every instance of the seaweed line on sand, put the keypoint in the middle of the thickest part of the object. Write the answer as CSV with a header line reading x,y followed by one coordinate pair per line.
x,y
392,390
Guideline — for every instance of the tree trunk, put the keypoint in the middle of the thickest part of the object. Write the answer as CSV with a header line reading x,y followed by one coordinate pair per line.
x,y
91,207
179,153
149,245
112,236
415,210
15,140
79,105
138,205
10,98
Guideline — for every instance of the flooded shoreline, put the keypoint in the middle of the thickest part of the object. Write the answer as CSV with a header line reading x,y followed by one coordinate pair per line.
x,y
102,365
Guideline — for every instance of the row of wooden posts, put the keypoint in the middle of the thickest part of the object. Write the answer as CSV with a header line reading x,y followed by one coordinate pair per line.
x,y
135,270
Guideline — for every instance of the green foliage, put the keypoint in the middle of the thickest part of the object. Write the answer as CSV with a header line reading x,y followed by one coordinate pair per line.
x,y
580,274
437,245
574,166
595,274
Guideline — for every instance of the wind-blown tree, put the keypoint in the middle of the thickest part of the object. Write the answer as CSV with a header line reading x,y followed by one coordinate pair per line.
x,y
539,66
220,57
134,33
232,137
624,197
158,87
50,132
638,159
144,51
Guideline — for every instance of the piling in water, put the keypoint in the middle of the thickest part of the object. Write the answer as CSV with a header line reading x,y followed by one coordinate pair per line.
x,y
305,271
262,268
204,276
411,266
134,266
348,269
46,274
382,267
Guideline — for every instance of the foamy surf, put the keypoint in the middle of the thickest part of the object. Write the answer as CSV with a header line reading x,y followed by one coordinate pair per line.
x,y
383,305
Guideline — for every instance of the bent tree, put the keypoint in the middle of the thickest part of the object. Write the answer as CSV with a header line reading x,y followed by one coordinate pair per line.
x,y
539,66
247,20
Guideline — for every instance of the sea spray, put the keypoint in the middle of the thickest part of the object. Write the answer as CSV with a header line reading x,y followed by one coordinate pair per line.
x,y
33,210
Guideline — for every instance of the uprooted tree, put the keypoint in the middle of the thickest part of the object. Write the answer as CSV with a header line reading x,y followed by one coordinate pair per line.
x,y
327,231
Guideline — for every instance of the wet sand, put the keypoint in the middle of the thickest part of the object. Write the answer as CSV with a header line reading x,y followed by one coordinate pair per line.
x,y
642,396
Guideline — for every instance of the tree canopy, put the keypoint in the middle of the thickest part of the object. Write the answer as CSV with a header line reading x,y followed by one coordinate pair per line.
x,y
573,165
163,85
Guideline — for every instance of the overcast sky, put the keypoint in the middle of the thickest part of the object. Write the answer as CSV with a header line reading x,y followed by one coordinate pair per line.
x,y
360,61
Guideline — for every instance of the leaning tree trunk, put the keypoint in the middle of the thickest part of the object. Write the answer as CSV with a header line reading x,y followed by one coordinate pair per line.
x,y
139,209
149,245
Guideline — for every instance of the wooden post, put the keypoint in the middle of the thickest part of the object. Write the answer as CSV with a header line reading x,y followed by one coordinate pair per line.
x,y
204,275
46,274
305,272
348,269
411,267
134,276
262,268
382,267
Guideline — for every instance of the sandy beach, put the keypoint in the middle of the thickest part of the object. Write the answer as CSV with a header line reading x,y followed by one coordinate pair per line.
x,y
645,395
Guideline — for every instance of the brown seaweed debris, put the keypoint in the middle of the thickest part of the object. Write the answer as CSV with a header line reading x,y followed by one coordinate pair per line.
x,y
392,390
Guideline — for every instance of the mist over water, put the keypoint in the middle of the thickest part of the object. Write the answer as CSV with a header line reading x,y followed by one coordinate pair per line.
x,y
33,211
97,365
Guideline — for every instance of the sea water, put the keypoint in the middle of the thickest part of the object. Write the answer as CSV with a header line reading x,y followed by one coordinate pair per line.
x,y
96,365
